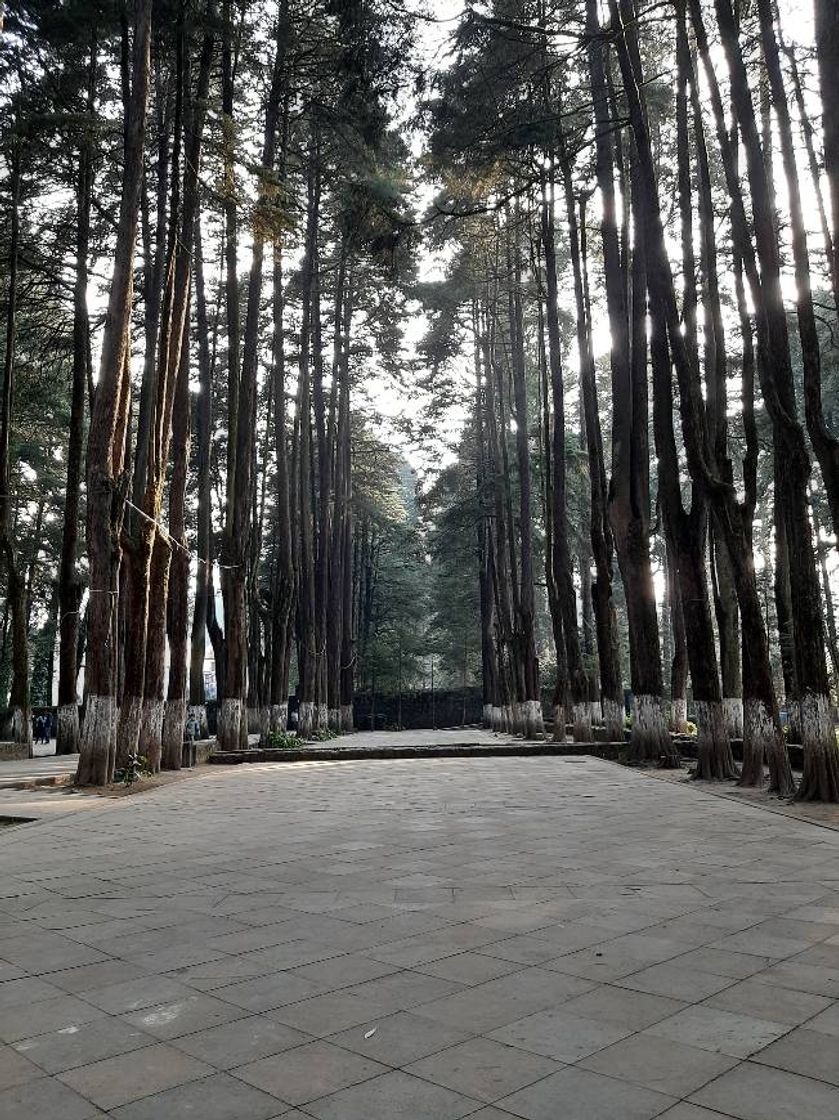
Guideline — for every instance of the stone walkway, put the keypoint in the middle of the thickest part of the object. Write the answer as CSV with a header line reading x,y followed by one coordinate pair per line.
x,y
547,939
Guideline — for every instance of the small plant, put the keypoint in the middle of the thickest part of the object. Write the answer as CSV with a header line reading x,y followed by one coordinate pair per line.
x,y
323,735
690,728
138,767
282,740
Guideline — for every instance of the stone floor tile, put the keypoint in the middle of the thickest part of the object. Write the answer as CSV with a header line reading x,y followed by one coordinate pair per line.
x,y
15,1069
723,1032
490,1113
403,990
129,1077
483,1068
301,1075
469,968
599,964
684,1110
491,1005
827,1022
336,1011
193,1012
220,1097
803,978
81,1044
132,995
660,1064
241,1041
399,1039
44,1100
803,1051
625,1008
393,1096
62,1012
754,1092
522,949
41,953
768,1001
723,962
672,979
577,1094
88,977
558,1034
343,972
23,991
266,992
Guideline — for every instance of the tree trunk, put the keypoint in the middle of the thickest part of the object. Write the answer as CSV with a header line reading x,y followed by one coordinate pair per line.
x,y
203,435
236,553
533,726
600,529
561,553
764,730
827,53
16,585
820,780
106,482
628,498
69,583
177,603
824,444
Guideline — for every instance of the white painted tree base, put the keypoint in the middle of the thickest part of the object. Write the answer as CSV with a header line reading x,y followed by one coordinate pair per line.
x,y
559,724
534,724
278,718
613,720
582,721
732,710
229,728
96,745
679,715
174,722
129,722
69,730
151,732
305,719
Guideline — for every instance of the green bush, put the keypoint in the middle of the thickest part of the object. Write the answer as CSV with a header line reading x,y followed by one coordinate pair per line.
x,y
282,740
323,735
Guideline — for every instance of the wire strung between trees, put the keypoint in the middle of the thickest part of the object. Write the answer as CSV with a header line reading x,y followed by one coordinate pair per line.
x,y
177,544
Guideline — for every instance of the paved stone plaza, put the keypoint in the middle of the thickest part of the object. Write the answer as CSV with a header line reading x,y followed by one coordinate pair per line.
x,y
544,938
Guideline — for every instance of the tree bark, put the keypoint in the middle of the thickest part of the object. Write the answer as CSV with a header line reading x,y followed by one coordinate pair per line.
x,y
628,496
106,481
69,583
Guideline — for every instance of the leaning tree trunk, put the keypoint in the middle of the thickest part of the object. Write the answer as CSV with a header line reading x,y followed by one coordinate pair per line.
x,y
106,481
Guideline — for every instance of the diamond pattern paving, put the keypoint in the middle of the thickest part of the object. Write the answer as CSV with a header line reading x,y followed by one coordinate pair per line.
x,y
424,939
